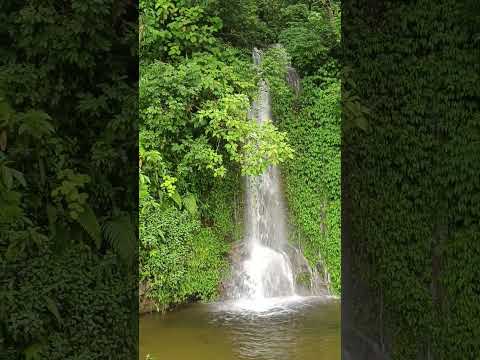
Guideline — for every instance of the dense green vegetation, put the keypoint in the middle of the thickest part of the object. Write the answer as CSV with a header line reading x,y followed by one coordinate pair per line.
x,y
313,176
195,141
413,178
197,82
311,119
67,159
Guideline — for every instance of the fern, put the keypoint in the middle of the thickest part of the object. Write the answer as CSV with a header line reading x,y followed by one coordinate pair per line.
x,y
88,220
36,124
120,234
8,174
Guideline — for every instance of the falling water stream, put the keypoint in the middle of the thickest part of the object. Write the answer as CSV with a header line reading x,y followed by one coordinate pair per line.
x,y
266,276
267,272
265,314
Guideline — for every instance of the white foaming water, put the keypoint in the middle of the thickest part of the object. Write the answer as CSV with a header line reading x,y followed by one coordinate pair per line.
x,y
269,273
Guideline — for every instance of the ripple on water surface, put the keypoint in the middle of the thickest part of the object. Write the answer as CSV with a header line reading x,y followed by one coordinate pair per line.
x,y
290,328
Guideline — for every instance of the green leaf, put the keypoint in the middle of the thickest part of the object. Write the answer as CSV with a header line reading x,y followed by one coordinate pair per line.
x,y
361,122
32,352
120,233
19,177
177,198
14,249
88,220
7,177
6,112
36,124
52,307
51,214
190,204
62,236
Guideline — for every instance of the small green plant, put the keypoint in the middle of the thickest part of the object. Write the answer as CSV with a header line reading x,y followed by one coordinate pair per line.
x,y
68,192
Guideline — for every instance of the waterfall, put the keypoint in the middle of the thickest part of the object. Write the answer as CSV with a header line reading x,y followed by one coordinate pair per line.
x,y
265,264
266,272
268,269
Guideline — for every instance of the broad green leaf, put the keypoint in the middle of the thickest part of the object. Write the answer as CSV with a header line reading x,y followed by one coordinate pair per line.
x,y
190,204
88,220
32,352
52,307
120,233
177,198
19,177
7,177
361,122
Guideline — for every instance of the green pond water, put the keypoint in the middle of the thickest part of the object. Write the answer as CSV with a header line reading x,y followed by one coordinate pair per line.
x,y
283,329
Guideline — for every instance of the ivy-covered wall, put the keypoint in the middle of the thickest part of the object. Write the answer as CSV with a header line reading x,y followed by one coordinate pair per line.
x,y
412,179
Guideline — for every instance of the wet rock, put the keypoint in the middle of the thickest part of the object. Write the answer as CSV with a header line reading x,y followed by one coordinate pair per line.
x,y
293,79
303,272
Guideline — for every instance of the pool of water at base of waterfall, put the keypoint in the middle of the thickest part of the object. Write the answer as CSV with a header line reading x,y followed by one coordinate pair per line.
x,y
292,328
